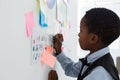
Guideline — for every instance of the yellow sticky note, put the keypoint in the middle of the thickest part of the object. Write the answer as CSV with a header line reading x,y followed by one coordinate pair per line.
x,y
38,6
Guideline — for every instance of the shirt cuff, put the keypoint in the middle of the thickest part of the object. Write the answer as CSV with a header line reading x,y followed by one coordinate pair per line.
x,y
61,57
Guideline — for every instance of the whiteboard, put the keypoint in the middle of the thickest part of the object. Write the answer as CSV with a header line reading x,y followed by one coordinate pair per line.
x,y
15,45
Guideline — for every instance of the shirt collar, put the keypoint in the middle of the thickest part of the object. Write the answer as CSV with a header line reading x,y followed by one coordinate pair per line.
x,y
96,55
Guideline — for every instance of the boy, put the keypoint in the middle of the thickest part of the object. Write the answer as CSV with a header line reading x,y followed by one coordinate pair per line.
x,y
98,29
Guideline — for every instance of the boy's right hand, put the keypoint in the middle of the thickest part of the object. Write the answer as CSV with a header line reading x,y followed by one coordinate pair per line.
x,y
57,43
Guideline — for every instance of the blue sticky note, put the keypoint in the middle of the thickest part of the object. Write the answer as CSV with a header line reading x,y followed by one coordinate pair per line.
x,y
42,20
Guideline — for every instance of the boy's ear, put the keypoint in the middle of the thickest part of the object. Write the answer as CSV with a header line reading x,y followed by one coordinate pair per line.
x,y
93,38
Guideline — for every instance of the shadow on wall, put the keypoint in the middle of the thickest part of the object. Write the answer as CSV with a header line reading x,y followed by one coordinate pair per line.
x,y
118,64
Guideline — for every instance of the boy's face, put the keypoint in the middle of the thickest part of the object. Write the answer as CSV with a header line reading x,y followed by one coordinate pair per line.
x,y
84,36
88,40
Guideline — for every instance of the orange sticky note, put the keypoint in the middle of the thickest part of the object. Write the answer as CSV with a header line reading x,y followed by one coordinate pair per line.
x,y
49,49
29,19
48,59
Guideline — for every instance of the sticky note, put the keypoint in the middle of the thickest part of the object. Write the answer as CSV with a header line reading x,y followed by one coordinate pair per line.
x,y
38,6
50,3
42,20
49,49
48,59
29,19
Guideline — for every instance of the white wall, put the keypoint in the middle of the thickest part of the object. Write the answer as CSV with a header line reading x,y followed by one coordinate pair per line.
x,y
15,46
71,38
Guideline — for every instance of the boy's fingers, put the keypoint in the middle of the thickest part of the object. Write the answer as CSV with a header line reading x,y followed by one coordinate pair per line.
x,y
57,43
59,37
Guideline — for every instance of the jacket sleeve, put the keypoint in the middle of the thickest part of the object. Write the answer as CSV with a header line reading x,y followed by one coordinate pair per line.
x,y
71,68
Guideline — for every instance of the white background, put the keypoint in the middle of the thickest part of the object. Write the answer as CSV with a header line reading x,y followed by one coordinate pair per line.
x,y
15,46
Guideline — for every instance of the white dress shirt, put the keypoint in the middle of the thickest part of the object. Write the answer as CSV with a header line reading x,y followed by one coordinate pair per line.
x,y
72,69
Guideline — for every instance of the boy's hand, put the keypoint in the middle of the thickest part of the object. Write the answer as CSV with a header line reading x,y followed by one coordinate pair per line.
x,y
57,42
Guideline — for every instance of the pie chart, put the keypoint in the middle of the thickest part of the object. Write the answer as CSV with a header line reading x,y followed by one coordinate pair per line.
x,y
50,3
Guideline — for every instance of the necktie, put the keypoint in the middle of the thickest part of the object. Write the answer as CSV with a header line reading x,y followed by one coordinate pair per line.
x,y
84,61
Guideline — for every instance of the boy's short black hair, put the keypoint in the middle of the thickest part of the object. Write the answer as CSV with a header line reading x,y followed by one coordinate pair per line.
x,y
104,23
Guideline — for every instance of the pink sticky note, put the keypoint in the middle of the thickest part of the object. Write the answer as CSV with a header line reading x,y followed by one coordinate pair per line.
x,y
48,59
29,19
49,49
